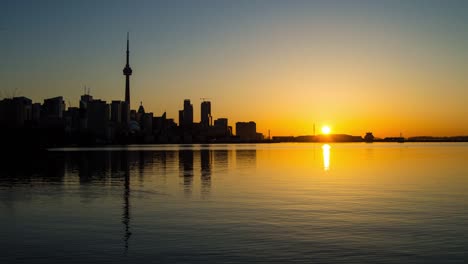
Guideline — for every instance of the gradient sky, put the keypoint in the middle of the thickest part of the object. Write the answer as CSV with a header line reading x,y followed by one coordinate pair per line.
x,y
358,66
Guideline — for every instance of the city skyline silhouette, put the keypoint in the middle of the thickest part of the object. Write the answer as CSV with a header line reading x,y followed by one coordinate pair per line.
x,y
221,131
234,131
355,67
99,122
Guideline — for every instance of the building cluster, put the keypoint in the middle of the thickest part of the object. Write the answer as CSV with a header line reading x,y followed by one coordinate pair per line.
x,y
96,121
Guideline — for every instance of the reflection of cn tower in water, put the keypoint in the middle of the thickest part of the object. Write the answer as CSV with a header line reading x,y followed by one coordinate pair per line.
x,y
326,156
126,196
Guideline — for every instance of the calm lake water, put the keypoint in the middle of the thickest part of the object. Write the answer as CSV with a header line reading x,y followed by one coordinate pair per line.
x,y
267,203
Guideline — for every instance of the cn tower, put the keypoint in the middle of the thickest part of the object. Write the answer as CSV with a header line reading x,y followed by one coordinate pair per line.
x,y
127,71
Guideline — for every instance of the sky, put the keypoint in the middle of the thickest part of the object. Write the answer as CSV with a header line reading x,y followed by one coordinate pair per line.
x,y
386,67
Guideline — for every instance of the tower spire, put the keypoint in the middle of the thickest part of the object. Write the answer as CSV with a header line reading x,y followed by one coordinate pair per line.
x,y
128,52
127,71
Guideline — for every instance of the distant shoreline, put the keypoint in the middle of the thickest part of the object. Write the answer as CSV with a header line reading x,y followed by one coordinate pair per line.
x,y
13,145
235,143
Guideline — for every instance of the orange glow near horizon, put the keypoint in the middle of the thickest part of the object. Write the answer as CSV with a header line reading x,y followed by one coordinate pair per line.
x,y
286,66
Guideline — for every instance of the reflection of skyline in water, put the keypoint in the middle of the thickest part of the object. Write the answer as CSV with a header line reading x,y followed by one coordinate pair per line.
x,y
221,158
186,169
97,166
246,157
206,161
131,206
122,169
32,167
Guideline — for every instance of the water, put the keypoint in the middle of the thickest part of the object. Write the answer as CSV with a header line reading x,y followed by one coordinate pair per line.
x,y
267,203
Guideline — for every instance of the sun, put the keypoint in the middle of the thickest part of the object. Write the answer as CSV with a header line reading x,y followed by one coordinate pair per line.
x,y
326,130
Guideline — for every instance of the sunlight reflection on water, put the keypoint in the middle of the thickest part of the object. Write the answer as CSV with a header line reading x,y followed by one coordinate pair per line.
x,y
326,156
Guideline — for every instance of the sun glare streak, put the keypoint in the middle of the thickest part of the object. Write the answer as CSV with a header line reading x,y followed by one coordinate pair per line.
x,y
326,156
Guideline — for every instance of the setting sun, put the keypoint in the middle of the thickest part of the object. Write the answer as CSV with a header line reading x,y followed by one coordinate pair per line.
x,y
326,130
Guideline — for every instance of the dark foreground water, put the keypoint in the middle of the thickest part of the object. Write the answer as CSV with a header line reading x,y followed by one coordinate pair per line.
x,y
270,203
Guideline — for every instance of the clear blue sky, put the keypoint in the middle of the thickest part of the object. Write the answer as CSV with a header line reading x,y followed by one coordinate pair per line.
x,y
284,64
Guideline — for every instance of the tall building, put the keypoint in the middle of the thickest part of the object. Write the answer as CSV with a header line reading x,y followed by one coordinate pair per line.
x,y
187,120
53,108
16,111
85,100
181,117
221,122
98,118
127,71
222,128
72,119
36,113
246,130
206,114
146,121
140,113
116,112
125,114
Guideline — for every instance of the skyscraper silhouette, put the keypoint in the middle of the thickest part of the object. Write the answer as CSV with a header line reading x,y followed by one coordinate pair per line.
x,y
206,113
188,114
127,71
